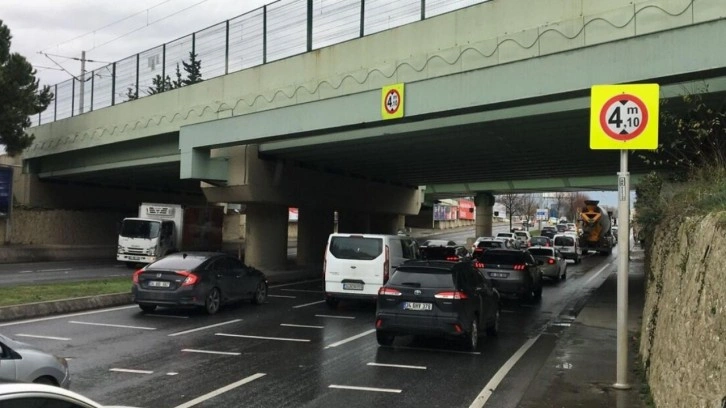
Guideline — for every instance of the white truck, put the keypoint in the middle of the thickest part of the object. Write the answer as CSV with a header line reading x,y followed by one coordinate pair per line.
x,y
161,229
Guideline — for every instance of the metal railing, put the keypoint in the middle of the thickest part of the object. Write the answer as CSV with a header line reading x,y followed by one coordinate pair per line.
x,y
272,32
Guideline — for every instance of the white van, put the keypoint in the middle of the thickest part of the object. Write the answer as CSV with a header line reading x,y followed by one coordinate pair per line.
x,y
357,265
567,245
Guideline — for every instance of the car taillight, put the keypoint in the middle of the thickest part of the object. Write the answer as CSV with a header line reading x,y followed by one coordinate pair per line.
x,y
190,278
386,265
388,291
519,267
478,250
459,295
135,277
551,261
452,258
479,265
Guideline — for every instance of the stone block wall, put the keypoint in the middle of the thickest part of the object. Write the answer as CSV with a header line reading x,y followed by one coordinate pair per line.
x,y
683,341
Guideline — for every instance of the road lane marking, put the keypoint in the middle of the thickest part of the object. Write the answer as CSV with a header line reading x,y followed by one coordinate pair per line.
x,y
43,337
474,353
223,353
219,391
121,326
350,387
397,366
169,316
302,290
172,373
597,273
204,328
42,319
25,271
294,283
301,325
349,339
244,336
308,304
493,383
335,317
126,370
561,324
283,296
55,270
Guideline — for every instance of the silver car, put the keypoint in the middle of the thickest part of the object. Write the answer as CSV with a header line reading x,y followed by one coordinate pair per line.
x,y
25,363
554,265
23,395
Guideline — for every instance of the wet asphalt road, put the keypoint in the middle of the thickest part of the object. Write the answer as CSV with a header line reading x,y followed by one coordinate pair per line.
x,y
294,351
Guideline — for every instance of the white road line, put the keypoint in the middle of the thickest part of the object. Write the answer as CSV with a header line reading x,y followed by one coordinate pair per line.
x,y
42,319
294,283
597,273
283,296
172,373
350,387
301,325
335,317
474,353
25,271
43,337
308,304
204,328
219,391
349,339
397,366
169,316
244,336
55,270
302,290
493,383
223,353
121,326
125,370
561,324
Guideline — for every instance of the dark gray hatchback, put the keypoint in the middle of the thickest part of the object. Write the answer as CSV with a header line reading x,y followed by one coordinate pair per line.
x,y
437,298
206,279
513,272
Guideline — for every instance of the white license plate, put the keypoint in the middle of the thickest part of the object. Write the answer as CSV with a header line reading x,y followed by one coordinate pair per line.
x,y
135,258
158,284
352,286
418,306
498,275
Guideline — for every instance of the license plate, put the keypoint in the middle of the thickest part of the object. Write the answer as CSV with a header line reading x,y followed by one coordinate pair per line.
x,y
158,284
418,306
498,274
352,286
135,258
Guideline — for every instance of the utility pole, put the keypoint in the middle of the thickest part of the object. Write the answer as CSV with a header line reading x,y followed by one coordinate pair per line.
x,y
83,82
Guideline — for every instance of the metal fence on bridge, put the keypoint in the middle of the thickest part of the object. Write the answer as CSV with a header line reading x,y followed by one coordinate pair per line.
x,y
272,32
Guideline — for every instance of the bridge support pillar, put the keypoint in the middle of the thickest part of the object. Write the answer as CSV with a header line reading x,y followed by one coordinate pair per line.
x,y
314,225
354,221
484,211
386,223
266,236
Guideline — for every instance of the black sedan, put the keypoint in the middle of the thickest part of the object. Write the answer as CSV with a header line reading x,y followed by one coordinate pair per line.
x,y
439,298
197,279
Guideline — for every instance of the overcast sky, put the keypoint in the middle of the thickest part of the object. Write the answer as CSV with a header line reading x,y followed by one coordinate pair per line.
x,y
54,25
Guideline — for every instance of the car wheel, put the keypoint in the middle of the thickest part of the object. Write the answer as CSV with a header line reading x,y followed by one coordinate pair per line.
x,y
147,308
384,339
213,301
493,329
332,302
260,293
472,337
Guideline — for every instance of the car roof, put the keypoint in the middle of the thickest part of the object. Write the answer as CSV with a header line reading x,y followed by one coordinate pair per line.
x,y
34,390
428,264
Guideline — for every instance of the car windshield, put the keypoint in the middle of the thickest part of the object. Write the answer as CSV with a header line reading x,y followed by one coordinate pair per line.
x,y
540,251
423,278
359,248
140,229
490,244
502,258
178,262
564,241
438,252
521,234
505,235
539,241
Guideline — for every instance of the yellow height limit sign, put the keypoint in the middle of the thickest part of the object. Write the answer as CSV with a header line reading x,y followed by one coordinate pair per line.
x,y
624,117
392,101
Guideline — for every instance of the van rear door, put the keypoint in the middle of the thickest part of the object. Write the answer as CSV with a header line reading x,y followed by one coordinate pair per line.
x,y
355,264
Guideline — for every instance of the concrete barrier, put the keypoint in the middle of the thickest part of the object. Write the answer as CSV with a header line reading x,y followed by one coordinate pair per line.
x,y
39,309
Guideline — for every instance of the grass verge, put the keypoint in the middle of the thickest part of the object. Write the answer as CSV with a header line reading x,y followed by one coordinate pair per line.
x,y
16,295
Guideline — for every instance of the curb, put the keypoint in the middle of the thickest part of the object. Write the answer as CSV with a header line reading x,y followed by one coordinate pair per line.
x,y
31,310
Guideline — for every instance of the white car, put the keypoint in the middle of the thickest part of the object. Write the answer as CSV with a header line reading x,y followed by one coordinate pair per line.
x,y
477,241
568,247
26,395
509,236
523,237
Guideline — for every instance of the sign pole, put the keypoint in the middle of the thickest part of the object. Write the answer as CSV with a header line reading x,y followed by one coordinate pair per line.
x,y
623,268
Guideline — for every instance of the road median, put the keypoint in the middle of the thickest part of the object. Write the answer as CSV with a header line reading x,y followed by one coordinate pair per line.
x,y
39,309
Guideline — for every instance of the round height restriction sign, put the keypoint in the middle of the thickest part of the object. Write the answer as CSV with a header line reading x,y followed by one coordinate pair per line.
x,y
392,101
624,117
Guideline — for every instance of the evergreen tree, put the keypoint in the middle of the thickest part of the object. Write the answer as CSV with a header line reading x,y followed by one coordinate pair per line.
x,y
193,70
131,94
20,96
178,82
160,85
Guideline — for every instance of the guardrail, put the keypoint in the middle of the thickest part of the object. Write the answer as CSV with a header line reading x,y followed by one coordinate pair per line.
x,y
272,32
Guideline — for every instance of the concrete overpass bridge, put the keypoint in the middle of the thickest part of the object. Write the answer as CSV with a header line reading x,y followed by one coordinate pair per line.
x,y
496,99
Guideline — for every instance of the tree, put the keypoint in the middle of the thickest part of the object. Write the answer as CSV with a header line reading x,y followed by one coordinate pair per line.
x,y
511,204
193,70
560,201
527,204
160,85
20,96
131,94
575,201
178,82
